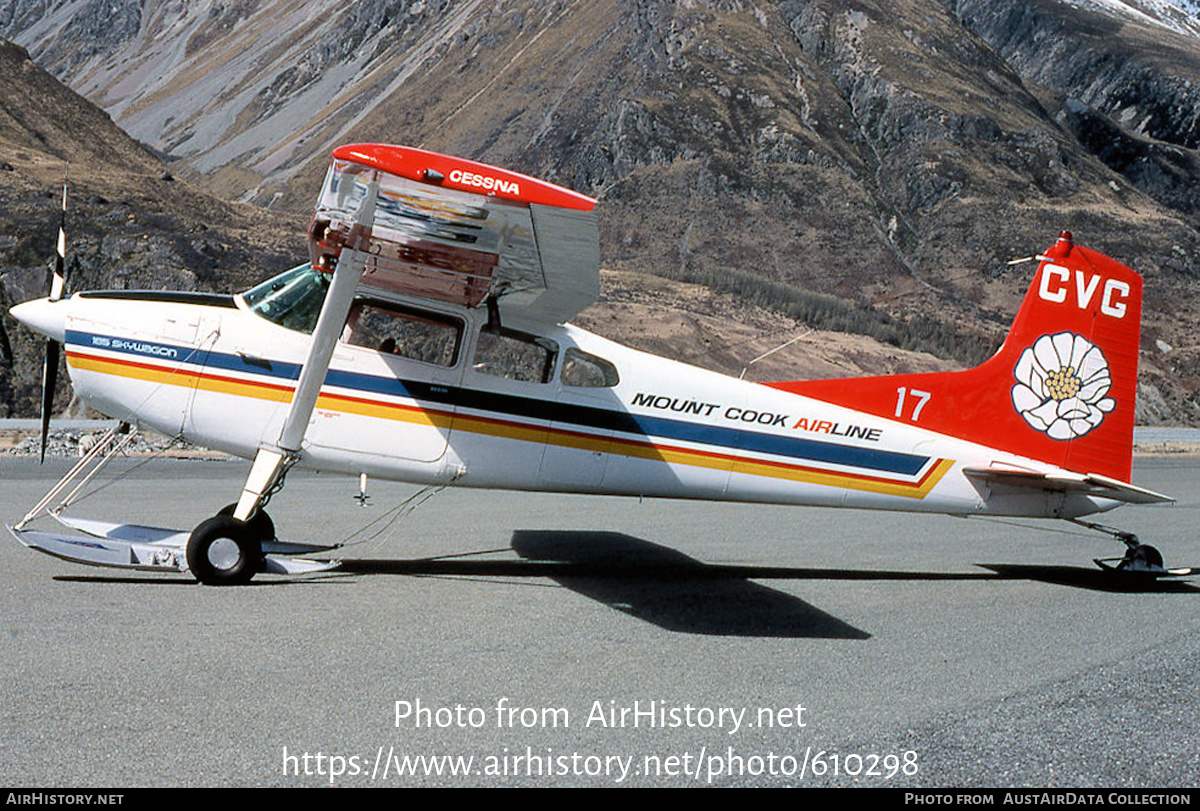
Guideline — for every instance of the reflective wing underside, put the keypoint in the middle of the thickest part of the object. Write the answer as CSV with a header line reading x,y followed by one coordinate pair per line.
x,y
461,247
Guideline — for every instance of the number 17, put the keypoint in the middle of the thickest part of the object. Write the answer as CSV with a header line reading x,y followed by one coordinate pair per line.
x,y
922,397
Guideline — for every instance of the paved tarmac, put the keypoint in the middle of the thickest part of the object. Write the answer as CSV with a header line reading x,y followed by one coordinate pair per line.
x,y
564,640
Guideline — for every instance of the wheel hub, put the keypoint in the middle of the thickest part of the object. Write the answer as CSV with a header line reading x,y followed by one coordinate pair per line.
x,y
224,554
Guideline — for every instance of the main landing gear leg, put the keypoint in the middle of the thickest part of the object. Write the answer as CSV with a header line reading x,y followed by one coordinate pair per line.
x,y
227,549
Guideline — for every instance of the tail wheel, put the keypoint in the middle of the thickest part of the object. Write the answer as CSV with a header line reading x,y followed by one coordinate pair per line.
x,y
1142,558
223,551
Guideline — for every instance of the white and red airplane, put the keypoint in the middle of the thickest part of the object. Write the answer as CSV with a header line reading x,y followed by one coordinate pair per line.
x,y
427,341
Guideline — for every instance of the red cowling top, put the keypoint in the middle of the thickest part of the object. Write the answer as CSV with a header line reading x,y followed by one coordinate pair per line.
x,y
464,175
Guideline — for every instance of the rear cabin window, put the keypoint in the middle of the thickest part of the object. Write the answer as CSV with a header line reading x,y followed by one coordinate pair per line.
x,y
582,370
515,355
414,334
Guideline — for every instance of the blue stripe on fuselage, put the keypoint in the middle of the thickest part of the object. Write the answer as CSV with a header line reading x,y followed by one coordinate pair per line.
x,y
509,406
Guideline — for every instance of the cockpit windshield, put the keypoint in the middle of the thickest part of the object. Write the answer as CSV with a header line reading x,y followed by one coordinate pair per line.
x,y
292,299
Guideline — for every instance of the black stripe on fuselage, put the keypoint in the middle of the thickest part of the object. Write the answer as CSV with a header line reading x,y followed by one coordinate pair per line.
x,y
170,296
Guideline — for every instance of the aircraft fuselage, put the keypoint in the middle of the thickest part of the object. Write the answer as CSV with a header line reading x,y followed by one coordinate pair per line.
x,y
526,406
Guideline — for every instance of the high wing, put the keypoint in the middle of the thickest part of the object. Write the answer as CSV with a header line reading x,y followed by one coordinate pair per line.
x,y
462,232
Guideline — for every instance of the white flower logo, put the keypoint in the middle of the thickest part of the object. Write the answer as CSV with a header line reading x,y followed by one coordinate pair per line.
x,y
1062,383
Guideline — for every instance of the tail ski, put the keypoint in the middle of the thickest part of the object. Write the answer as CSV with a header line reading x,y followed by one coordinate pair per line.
x,y
1060,390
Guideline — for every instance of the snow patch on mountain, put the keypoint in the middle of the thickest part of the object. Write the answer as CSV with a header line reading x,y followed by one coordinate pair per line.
x,y
1181,16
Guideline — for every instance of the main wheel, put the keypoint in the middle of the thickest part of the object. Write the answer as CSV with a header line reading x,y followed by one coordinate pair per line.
x,y
223,551
260,524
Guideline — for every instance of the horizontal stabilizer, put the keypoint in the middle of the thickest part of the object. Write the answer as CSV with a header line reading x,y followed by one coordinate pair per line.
x,y
1091,484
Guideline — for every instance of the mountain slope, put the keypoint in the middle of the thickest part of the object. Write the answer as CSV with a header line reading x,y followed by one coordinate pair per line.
x,y
131,223
862,165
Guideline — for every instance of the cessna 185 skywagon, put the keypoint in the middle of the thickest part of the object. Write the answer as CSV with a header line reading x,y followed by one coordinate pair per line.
x,y
427,341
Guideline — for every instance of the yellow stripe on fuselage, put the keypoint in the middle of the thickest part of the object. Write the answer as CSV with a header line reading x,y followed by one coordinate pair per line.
x,y
183,377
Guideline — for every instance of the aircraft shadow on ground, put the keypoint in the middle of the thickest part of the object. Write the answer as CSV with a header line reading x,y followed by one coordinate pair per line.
x,y
667,588
653,583
1083,577
673,591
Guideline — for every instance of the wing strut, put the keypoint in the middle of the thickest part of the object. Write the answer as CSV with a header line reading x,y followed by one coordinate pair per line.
x,y
272,462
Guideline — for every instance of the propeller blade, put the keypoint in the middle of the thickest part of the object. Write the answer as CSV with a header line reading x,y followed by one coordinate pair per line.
x,y
6,357
58,282
49,379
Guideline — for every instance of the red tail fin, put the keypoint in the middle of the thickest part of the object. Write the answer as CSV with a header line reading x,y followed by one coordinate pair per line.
x,y
1062,387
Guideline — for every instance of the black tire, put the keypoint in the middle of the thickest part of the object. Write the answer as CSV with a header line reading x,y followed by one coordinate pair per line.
x,y
1142,558
1149,555
223,552
260,524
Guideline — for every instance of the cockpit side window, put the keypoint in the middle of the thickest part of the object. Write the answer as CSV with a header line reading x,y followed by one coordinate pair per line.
x,y
292,299
415,334
584,370
515,355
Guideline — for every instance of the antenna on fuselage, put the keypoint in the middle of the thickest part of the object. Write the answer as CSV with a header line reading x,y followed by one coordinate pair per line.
x,y
770,352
